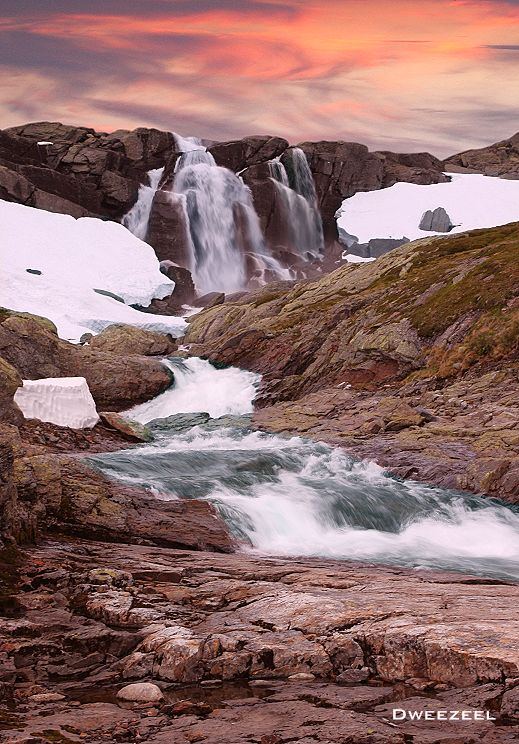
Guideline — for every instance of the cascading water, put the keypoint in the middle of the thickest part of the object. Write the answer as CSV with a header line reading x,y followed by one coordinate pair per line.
x,y
223,224
290,496
295,184
136,220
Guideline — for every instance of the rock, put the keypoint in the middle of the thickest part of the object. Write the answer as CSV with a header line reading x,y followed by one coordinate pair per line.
x,y
340,169
179,422
240,154
419,167
131,430
32,347
127,340
301,677
436,221
10,382
184,291
209,300
47,697
168,229
141,692
499,159
510,704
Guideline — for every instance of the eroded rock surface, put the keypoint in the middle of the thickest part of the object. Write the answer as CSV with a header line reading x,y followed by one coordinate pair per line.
x,y
222,635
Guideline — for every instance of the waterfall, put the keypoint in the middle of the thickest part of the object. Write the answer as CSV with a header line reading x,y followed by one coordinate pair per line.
x,y
187,144
223,224
194,157
296,188
136,220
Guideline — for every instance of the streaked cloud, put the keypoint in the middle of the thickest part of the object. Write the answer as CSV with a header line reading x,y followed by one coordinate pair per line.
x,y
407,74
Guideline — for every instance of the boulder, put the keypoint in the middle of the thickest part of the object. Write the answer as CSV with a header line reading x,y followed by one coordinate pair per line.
x,y
239,154
436,221
141,692
10,382
211,299
131,430
126,340
184,291
31,345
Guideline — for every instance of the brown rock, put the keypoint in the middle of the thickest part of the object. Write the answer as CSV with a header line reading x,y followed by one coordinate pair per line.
x,y
240,154
131,430
127,340
499,159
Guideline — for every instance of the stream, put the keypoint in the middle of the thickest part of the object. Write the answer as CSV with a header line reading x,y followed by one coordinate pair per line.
x,y
290,496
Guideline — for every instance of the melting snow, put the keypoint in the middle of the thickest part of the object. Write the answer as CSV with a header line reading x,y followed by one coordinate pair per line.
x,y
65,401
76,257
471,201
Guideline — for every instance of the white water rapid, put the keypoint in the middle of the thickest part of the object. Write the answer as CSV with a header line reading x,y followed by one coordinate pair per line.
x,y
136,220
290,496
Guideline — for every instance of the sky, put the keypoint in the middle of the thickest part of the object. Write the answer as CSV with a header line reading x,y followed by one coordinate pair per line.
x,y
437,75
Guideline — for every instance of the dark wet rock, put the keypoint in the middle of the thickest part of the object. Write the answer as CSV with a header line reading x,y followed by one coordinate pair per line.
x,y
184,291
168,229
376,247
179,422
131,430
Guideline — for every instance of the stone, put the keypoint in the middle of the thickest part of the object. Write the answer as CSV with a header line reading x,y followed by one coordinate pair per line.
x,y
436,221
239,154
128,340
179,422
141,692
209,300
184,291
131,430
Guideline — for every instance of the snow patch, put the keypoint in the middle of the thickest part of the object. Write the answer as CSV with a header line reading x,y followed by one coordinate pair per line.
x,y
472,201
76,257
65,401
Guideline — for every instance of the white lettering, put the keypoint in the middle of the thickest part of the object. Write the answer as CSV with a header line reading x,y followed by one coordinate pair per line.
x,y
398,714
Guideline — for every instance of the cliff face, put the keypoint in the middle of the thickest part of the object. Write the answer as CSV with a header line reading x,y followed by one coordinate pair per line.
x,y
499,159
412,359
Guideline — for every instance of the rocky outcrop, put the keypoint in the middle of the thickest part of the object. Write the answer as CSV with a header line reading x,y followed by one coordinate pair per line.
x,y
82,172
406,360
281,650
240,154
499,159
31,347
416,167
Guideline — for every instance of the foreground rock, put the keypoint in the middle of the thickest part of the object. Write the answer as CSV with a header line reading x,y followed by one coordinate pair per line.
x,y
412,360
30,345
174,618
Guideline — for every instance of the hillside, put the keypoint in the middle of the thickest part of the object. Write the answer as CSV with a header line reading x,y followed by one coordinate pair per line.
x,y
412,360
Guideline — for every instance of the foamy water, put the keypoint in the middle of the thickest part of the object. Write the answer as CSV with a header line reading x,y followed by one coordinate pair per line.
x,y
294,497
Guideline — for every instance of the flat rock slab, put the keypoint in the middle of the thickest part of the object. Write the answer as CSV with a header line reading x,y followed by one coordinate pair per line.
x,y
94,618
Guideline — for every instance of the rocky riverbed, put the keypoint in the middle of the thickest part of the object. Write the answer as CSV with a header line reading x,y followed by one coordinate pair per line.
x,y
250,649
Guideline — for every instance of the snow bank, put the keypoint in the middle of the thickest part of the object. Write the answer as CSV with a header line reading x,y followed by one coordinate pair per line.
x,y
65,401
70,259
471,201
